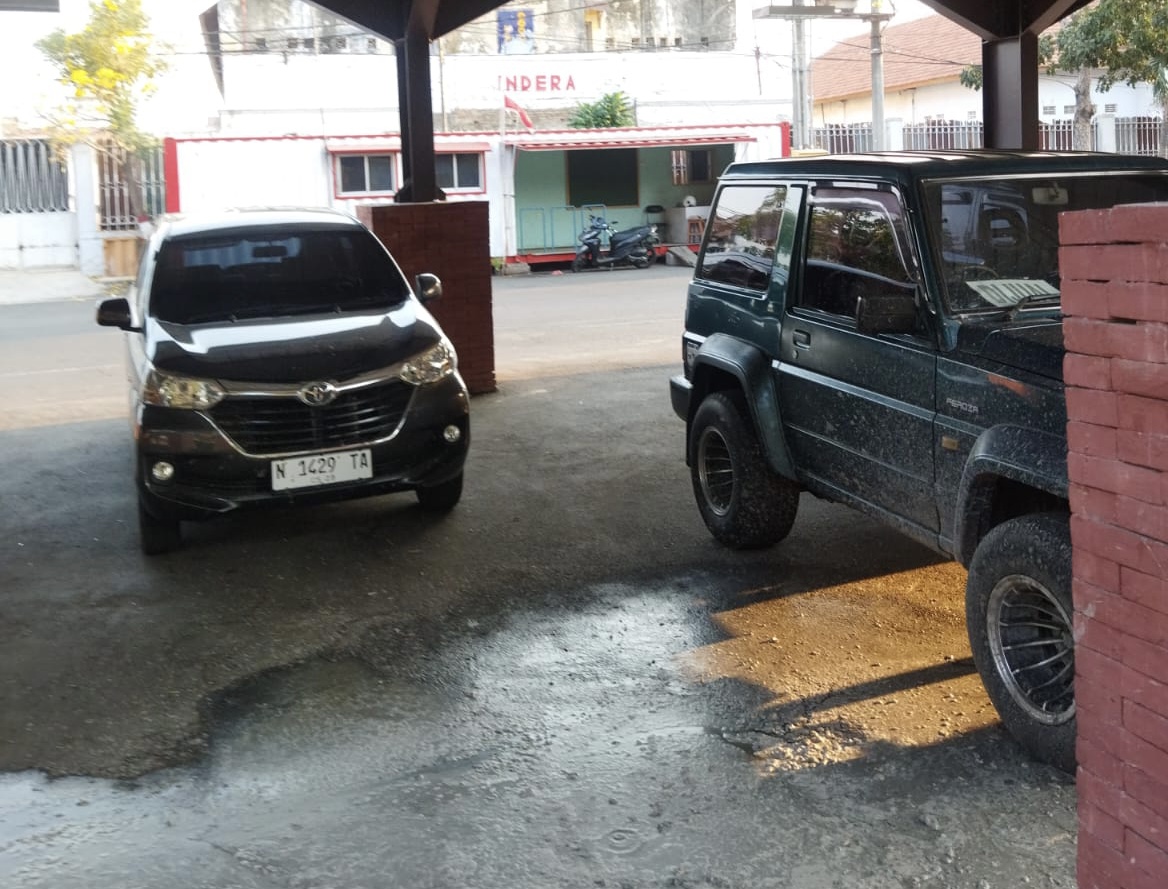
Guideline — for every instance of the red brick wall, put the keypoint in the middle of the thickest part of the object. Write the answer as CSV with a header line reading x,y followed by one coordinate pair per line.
x,y
1115,294
452,240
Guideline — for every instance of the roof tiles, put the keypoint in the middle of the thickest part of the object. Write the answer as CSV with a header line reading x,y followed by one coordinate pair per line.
x,y
923,51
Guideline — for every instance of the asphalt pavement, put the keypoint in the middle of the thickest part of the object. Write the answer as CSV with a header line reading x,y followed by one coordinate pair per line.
x,y
563,683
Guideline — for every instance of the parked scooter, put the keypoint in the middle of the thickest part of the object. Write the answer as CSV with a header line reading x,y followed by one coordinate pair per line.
x,y
631,245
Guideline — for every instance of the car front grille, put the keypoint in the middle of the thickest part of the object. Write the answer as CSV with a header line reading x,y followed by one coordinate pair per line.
x,y
268,425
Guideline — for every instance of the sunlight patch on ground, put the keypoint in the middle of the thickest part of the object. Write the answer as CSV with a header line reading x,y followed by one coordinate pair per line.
x,y
882,662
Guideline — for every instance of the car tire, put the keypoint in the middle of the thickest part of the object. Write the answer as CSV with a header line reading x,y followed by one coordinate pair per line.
x,y
742,501
441,497
1019,615
157,535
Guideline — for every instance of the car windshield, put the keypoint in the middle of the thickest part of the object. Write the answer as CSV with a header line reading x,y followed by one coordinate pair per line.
x,y
258,272
998,240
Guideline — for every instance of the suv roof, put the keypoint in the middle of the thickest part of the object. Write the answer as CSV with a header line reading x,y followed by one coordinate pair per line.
x,y
180,224
914,165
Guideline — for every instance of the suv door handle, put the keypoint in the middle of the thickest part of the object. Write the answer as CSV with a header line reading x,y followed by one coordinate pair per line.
x,y
801,338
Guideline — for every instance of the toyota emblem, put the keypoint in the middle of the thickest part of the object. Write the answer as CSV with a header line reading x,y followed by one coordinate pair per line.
x,y
318,394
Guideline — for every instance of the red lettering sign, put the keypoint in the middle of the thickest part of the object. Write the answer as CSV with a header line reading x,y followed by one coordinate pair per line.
x,y
541,83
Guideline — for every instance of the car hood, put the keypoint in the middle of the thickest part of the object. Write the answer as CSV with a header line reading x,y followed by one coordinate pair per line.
x,y
291,350
1034,345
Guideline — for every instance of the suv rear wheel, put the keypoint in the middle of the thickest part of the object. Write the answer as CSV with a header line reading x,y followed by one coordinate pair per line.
x,y
744,504
1019,614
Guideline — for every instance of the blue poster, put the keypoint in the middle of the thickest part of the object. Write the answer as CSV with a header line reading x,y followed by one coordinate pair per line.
x,y
516,31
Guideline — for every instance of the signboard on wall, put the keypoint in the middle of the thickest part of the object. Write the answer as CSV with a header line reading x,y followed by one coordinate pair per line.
x,y
516,31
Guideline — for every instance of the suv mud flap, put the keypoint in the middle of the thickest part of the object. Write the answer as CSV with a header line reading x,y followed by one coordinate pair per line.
x,y
752,369
1037,460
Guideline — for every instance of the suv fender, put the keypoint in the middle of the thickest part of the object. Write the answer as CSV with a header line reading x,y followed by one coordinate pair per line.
x,y
722,355
1035,461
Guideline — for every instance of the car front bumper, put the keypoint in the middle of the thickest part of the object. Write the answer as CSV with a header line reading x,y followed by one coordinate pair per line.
x,y
213,475
680,391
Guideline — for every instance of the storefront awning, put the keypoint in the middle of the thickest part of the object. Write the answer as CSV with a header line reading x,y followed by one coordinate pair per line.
x,y
659,137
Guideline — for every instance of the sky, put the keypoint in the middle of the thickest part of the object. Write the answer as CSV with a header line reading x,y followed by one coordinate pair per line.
x,y
176,23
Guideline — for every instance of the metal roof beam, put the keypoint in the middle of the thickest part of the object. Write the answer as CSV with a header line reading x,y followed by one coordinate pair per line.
x,y
1005,18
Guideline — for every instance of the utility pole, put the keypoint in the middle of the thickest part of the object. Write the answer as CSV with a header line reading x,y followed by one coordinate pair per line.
x,y
800,125
877,80
831,10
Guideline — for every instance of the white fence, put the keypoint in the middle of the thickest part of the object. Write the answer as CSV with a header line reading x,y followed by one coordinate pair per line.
x,y
1123,135
36,228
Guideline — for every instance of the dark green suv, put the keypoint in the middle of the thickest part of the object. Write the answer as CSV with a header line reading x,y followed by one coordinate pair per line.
x,y
884,331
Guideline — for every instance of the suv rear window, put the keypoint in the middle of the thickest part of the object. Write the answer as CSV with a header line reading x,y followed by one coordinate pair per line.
x,y
257,272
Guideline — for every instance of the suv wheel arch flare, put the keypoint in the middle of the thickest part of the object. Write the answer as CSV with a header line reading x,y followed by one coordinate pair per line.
x,y
1034,460
752,370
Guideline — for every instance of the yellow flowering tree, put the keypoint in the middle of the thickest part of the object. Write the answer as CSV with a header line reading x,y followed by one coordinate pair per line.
x,y
106,69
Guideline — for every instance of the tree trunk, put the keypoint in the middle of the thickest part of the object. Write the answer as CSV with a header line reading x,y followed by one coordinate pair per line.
x,y
1083,135
1163,152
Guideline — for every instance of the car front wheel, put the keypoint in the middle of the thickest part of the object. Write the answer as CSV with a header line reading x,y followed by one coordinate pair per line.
x,y
743,503
441,497
1019,615
157,535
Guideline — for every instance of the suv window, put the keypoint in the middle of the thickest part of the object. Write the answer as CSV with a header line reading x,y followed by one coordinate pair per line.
x,y
856,240
741,236
998,241
256,272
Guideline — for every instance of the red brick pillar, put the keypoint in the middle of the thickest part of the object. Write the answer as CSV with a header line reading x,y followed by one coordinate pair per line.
x,y
452,240
1115,294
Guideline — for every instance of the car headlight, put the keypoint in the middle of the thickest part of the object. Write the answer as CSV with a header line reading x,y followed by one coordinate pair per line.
x,y
432,365
186,393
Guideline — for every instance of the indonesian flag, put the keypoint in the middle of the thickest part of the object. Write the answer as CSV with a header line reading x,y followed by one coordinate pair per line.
x,y
518,109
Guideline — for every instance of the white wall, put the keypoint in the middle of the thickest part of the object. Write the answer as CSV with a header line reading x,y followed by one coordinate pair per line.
x,y
357,94
952,101
223,173
38,240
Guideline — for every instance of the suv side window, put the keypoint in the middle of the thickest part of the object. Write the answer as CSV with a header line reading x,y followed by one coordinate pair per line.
x,y
856,242
742,235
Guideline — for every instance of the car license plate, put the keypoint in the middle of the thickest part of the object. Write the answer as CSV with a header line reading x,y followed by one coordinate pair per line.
x,y
314,470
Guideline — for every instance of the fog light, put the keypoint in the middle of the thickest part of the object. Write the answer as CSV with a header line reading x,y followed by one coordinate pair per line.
x,y
452,434
162,471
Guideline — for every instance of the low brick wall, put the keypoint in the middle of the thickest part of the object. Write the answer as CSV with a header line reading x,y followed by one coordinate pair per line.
x,y
452,240
1115,295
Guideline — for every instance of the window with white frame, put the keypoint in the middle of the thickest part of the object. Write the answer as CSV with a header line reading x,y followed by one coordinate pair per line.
x,y
365,173
458,171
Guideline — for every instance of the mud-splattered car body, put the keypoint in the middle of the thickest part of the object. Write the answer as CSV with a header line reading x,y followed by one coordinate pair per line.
x,y
895,343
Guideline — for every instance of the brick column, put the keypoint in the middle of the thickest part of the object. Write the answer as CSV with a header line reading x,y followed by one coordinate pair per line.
x,y
452,240
1115,295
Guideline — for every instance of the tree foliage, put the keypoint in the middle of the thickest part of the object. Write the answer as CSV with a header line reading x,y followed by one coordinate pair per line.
x,y
611,110
1128,39
108,67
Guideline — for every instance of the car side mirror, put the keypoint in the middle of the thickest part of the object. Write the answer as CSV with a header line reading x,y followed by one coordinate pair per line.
x,y
428,287
115,312
886,312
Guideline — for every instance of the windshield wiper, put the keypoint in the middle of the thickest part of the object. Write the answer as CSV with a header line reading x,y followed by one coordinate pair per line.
x,y
1033,299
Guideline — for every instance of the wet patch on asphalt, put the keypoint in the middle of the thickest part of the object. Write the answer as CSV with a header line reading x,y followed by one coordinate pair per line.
x,y
680,734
